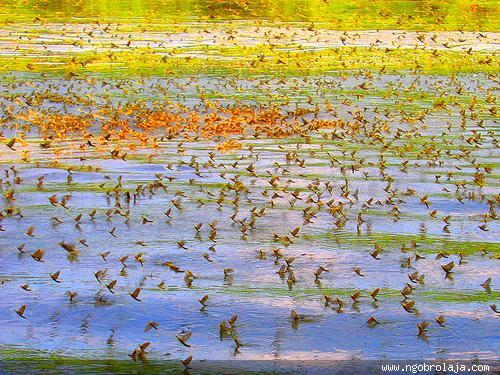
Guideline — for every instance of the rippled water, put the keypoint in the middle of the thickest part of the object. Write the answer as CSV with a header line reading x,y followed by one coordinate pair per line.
x,y
111,327
409,164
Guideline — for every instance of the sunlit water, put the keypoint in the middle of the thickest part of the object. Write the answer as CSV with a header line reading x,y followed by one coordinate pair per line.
x,y
98,324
